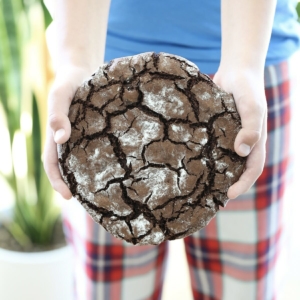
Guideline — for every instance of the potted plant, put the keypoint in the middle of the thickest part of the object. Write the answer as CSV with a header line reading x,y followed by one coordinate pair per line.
x,y
35,261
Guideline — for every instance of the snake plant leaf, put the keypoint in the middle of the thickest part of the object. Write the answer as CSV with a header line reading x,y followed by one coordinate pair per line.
x,y
10,14
23,213
19,235
47,16
36,144
24,216
10,81
45,195
48,224
4,65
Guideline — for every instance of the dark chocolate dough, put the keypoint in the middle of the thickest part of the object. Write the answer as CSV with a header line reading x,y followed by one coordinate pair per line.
x,y
151,153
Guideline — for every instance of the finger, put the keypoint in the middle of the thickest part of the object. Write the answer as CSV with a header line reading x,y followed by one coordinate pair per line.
x,y
252,116
254,166
253,170
58,110
51,167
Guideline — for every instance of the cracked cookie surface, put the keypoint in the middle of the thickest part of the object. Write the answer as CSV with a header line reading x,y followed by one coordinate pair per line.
x,y
151,153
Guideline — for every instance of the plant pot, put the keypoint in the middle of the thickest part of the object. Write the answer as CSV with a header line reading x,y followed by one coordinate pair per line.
x,y
43,275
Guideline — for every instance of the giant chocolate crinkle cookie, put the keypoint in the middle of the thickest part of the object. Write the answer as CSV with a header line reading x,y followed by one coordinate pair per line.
x,y
151,153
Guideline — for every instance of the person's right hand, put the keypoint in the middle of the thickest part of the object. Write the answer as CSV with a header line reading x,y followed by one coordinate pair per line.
x,y
67,80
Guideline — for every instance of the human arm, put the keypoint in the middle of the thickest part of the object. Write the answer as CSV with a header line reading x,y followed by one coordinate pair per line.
x,y
246,31
76,41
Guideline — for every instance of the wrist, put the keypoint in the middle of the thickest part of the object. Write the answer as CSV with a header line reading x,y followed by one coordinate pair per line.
x,y
72,73
242,66
236,72
64,53
67,79
78,58
235,79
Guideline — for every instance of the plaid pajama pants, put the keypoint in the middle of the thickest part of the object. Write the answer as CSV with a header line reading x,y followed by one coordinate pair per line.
x,y
239,255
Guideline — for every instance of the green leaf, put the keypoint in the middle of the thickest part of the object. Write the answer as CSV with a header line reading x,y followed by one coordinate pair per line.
x,y
4,64
48,225
36,143
19,235
10,14
24,216
47,16
10,64
298,10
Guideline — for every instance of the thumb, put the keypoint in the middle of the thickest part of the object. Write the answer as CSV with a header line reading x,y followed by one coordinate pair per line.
x,y
60,125
58,108
252,115
246,140
67,80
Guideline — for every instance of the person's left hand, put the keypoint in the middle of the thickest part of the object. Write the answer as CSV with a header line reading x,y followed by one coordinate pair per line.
x,y
247,87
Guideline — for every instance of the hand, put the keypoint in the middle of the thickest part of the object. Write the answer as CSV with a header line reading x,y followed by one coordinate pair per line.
x,y
67,80
247,87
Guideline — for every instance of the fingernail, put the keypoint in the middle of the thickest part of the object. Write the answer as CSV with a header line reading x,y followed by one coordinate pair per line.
x,y
244,149
58,134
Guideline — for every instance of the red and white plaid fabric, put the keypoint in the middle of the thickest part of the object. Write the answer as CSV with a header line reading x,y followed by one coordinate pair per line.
x,y
237,256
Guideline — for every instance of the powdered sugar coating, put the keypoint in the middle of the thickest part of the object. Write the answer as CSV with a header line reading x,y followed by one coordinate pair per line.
x,y
140,225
